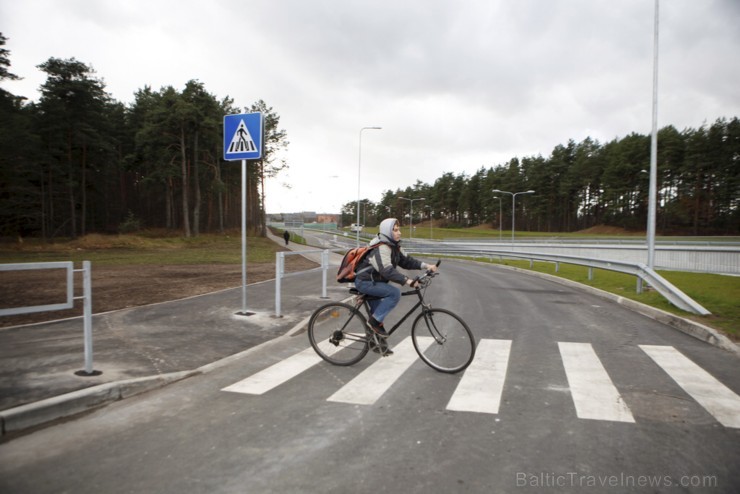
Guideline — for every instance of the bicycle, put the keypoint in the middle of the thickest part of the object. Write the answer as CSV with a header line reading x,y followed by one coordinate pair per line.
x,y
339,333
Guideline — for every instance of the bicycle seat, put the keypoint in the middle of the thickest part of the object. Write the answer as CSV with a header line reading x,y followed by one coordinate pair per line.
x,y
355,291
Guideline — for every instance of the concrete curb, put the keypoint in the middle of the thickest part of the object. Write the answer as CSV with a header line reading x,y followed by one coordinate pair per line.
x,y
43,412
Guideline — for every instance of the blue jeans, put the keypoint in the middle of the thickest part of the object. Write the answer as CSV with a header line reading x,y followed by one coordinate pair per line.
x,y
390,295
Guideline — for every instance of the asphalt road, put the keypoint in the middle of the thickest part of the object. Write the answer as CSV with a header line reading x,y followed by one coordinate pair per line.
x,y
576,394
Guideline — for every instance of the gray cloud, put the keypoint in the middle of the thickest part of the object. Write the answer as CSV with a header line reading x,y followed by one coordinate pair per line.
x,y
455,85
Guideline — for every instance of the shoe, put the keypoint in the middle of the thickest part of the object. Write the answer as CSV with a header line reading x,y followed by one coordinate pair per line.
x,y
377,328
382,349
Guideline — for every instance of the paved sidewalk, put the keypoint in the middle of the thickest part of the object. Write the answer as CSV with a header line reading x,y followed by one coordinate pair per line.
x,y
145,347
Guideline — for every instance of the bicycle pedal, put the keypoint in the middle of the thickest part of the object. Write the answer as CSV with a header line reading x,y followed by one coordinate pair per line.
x,y
381,349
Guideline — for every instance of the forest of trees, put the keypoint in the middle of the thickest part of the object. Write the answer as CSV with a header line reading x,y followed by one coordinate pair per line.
x,y
78,162
585,184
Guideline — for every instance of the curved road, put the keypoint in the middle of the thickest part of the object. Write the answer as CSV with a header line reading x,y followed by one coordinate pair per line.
x,y
568,393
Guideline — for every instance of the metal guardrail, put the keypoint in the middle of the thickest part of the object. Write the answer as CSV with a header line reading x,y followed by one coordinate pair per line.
x,y
596,241
86,297
641,271
719,258
710,256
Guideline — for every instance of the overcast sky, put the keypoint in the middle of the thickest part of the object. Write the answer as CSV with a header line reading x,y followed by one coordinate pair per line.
x,y
456,85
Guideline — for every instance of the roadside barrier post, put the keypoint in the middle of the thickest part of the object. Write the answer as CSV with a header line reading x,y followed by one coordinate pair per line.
x,y
324,269
87,320
279,269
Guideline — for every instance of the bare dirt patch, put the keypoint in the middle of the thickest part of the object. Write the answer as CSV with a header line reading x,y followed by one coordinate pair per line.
x,y
120,287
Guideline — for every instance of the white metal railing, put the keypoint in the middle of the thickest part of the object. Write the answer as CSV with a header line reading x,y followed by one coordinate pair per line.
x,y
700,256
68,304
641,271
707,257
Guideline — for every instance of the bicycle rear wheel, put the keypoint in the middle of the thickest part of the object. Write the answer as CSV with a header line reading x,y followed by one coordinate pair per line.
x,y
443,340
337,333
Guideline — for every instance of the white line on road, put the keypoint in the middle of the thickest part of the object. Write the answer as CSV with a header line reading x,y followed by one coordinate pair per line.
x,y
715,397
594,395
368,386
482,384
276,374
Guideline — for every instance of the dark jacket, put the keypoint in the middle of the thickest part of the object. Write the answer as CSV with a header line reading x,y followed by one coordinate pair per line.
x,y
380,264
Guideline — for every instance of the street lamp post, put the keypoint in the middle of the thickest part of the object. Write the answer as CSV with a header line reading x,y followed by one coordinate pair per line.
x,y
500,215
359,169
513,206
411,217
431,221
653,189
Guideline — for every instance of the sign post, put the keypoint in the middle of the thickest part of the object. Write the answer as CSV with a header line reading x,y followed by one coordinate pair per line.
x,y
243,141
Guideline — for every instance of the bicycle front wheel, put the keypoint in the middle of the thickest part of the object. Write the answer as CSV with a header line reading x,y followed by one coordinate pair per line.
x,y
443,340
337,333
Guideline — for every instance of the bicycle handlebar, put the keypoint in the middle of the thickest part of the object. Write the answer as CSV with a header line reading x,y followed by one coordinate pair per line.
x,y
422,280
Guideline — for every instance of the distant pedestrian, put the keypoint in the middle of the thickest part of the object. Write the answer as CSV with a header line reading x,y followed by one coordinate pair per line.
x,y
286,236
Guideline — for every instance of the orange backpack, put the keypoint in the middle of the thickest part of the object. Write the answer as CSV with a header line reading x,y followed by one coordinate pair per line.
x,y
351,259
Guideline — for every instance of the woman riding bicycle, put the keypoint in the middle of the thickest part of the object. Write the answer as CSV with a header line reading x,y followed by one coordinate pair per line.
x,y
378,268
342,335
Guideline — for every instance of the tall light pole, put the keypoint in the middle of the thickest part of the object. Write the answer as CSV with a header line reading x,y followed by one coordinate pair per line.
x,y
359,170
431,221
653,189
513,206
411,217
500,215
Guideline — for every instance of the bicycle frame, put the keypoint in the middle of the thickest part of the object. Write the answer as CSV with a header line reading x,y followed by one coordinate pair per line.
x,y
444,327
420,303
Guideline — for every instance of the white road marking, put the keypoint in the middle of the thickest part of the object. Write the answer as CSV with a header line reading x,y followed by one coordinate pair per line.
x,y
594,395
715,397
370,384
277,374
482,384
481,387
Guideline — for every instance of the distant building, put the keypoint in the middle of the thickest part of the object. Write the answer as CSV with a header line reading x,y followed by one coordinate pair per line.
x,y
328,218
304,217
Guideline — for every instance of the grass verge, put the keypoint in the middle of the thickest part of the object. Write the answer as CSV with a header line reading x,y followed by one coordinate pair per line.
x,y
120,250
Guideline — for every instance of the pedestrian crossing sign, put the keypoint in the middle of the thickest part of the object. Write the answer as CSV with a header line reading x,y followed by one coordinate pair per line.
x,y
243,136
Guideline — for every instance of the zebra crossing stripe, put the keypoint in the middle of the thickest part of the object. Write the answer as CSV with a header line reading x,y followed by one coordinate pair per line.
x,y
278,373
482,384
370,384
715,397
594,395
